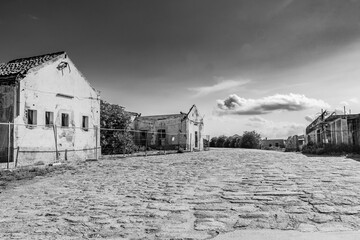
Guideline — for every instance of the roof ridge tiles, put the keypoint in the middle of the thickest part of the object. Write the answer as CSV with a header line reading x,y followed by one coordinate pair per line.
x,y
49,55
21,65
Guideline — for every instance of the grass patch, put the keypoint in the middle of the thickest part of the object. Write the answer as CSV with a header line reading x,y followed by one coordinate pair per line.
x,y
27,173
330,149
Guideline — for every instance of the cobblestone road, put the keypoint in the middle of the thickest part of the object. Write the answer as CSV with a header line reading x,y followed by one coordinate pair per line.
x,y
193,196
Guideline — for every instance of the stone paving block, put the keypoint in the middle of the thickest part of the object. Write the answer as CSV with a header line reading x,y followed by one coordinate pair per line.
x,y
306,227
254,215
245,208
297,209
279,193
242,223
325,208
351,219
262,198
211,207
334,227
209,224
321,218
349,210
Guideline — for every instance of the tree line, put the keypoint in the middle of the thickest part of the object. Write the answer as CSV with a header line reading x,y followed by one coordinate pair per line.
x,y
249,139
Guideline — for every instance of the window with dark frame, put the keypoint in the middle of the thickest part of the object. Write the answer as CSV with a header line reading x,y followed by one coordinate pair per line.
x,y
64,119
49,118
32,117
85,122
162,133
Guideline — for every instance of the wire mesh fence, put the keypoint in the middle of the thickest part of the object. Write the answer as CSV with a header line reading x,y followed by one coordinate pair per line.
x,y
26,144
141,142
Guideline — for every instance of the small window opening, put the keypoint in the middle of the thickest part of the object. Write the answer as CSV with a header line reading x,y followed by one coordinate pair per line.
x,y
32,117
49,118
162,133
85,122
64,120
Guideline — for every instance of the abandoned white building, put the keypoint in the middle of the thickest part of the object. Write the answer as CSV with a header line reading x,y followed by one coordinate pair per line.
x,y
295,143
52,110
334,129
171,131
272,143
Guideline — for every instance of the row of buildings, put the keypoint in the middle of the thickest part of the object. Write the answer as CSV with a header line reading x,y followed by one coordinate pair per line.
x,y
327,128
47,106
334,128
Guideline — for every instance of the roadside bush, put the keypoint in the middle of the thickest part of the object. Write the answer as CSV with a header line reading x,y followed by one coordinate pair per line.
x,y
113,116
330,149
227,143
235,141
250,140
220,141
213,141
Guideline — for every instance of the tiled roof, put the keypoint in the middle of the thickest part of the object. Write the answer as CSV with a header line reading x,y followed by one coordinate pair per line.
x,y
161,117
21,65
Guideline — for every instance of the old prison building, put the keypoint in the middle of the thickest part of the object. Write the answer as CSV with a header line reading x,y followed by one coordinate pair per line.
x,y
171,131
48,111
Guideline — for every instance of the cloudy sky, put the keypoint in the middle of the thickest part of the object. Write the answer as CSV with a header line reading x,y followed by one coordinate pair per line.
x,y
264,65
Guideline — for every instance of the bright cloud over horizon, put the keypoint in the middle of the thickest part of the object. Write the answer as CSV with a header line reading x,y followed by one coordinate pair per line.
x,y
235,105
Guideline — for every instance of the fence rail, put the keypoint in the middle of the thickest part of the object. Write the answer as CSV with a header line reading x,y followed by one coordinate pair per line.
x,y
26,144
141,142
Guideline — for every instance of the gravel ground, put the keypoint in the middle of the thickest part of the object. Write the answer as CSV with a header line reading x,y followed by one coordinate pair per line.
x,y
185,196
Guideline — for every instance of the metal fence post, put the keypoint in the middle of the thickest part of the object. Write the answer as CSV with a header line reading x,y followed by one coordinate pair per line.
x,y
96,142
56,148
146,137
124,143
179,141
9,145
190,141
17,155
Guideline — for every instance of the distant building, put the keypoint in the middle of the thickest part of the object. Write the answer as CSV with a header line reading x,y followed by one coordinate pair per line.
x,y
295,143
171,131
335,129
272,143
38,93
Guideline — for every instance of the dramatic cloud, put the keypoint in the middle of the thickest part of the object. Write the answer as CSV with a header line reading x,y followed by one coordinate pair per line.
x,y
236,105
33,17
272,129
224,85
309,119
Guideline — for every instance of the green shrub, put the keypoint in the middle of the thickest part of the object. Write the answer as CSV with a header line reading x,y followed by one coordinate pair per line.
x,y
330,149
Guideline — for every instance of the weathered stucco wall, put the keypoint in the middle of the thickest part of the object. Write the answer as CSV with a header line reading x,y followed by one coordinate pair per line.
x,y
195,124
174,128
39,91
186,131
273,143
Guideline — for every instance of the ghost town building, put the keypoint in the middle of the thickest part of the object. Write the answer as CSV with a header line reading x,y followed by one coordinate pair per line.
x,y
272,143
53,111
335,129
171,131
294,143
